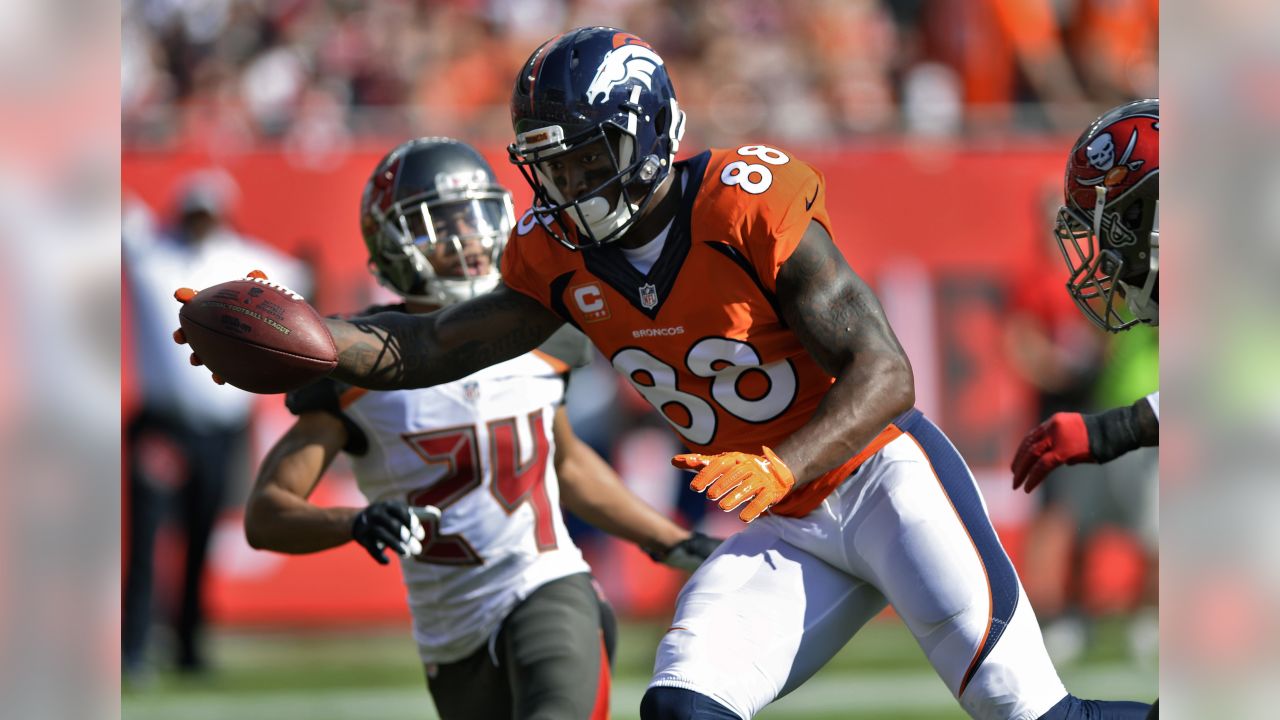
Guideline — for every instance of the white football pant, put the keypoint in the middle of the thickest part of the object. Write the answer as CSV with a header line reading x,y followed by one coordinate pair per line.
x,y
909,528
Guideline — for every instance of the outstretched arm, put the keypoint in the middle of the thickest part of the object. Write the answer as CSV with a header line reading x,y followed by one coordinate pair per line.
x,y
396,350
840,322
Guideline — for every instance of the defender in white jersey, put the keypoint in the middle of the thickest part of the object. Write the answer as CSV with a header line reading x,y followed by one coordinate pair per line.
x,y
465,479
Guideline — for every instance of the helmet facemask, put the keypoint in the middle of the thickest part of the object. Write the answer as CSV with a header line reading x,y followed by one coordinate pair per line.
x,y
620,183
443,248
1107,258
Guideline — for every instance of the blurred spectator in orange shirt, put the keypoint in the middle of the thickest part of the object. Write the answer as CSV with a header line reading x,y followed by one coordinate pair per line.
x,y
1114,44
853,45
1006,51
476,73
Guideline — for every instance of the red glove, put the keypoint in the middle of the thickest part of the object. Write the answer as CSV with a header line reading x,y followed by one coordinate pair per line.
x,y
736,477
1060,440
184,295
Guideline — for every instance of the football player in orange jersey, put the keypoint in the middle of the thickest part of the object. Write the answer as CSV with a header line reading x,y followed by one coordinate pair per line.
x,y
713,285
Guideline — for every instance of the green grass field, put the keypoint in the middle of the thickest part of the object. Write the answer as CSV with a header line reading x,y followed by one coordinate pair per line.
x,y
339,676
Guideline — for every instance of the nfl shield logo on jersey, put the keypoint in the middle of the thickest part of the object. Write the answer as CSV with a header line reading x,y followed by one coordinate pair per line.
x,y
471,390
648,296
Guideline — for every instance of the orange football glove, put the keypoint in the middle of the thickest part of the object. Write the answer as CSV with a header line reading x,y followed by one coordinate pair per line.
x,y
735,477
183,295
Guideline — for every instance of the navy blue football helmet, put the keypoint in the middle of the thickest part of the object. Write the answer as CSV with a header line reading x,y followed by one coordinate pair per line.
x,y
601,87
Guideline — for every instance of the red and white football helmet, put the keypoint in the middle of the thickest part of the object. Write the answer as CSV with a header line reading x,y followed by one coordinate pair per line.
x,y
1109,228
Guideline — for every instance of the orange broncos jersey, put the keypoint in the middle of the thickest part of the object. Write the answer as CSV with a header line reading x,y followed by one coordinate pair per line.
x,y
701,336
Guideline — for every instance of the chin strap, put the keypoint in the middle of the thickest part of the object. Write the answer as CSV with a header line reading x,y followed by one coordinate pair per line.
x,y
1153,272
1139,301
1099,203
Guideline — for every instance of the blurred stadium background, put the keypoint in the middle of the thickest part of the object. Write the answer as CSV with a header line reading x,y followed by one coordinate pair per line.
x,y
942,128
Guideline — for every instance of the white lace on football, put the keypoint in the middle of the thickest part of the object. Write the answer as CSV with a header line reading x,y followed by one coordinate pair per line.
x,y
277,286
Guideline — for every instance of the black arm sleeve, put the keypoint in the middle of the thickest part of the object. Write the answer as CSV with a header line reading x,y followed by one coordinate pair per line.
x,y
1116,432
325,395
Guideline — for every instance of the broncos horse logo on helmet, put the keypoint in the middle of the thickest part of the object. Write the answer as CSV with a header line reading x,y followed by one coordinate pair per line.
x,y
1109,227
601,87
625,63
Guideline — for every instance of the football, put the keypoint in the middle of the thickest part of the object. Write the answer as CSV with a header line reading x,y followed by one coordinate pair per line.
x,y
258,336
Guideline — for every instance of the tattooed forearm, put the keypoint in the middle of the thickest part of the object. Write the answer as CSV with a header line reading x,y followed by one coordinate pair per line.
x,y
397,350
840,322
371,349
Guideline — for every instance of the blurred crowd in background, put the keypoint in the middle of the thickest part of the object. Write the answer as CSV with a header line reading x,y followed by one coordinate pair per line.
x,y
314,73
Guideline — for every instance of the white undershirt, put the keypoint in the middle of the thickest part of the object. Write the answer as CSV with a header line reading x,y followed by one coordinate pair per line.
x,y
643,257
